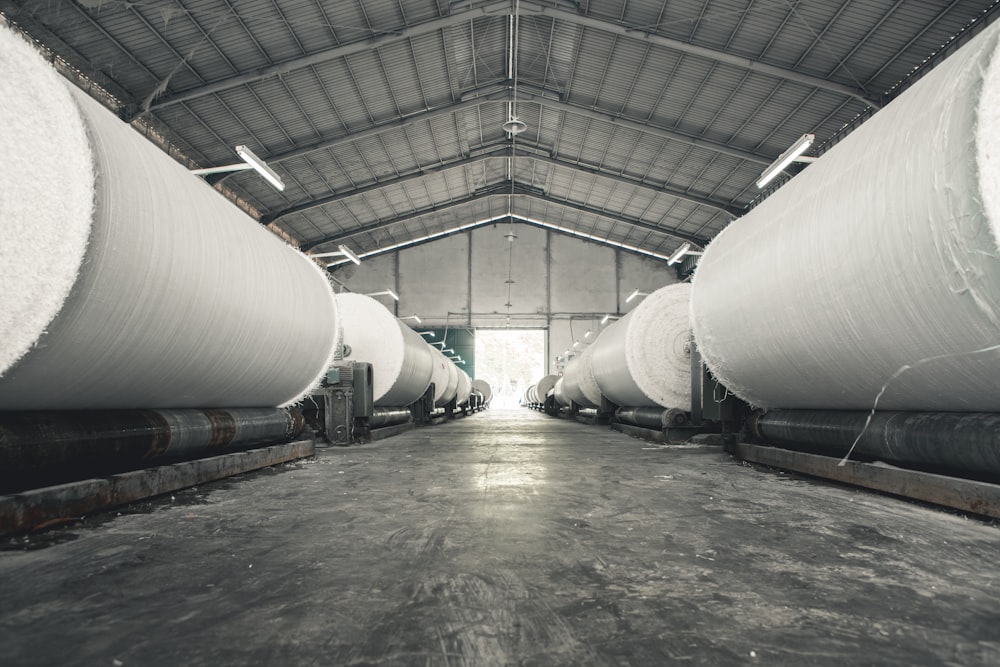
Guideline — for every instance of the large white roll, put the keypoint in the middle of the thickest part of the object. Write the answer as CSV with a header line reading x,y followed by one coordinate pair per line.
x,y
877,264
543,387
127,282
484,388
559,391
579,384
442,377
452,389
644,359
401,361
464,388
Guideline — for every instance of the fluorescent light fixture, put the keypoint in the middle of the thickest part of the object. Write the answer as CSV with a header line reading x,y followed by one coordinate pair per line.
x,y
260,167
250,161
427,333
576,343
677,254
412,317
439,343
789,156
588,334
456,358
347,252
341,250
447,349
634,294
604,320
385,292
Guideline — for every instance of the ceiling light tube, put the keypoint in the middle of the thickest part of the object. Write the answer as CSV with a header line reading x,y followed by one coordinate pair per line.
x,y
412,317
789,156
250,161
609,316
427,333
634,294
349,254
677,254
260,167
385,292
342,250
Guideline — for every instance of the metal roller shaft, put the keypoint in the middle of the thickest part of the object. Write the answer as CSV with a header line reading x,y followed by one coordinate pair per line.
x,y
966,444
45,448
651,417
382,417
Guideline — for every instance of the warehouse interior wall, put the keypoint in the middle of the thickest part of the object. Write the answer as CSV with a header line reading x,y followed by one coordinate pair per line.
x,y
561,284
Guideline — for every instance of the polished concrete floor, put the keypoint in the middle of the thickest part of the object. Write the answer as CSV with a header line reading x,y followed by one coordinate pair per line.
x,y
508,538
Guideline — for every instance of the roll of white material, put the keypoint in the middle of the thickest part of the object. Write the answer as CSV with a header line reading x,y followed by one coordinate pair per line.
x,y
877,266
452,389
127,282
402,365
441,377
580,384
644,359
464,387
484,388
559,391
543,387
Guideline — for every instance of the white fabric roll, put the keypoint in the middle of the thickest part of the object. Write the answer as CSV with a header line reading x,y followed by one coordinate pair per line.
x,y
402,365
452,390
126,281
464,387
580,384
559,391
543,387
877,265
442,378
484,388
644,359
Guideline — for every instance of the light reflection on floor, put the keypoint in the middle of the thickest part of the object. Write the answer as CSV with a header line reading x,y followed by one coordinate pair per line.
x,y
516,461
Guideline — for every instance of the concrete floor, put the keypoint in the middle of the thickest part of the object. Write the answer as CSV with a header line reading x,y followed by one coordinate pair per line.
x,y
507,538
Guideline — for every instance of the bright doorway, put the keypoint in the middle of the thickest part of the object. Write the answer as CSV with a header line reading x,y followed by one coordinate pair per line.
x,y
510,360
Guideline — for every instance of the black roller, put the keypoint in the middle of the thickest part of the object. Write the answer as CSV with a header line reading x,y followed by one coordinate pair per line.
x,y
382,417
655,418
45,448
966,444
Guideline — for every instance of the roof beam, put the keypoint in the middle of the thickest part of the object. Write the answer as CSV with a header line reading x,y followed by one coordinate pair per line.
x,y
340,196
502,219
498,9
704,52
653,130
500,95
502,191
396,124
502,150
320,57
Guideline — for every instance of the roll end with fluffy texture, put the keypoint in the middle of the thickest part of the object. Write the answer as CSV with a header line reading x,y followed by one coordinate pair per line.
x,y
47,196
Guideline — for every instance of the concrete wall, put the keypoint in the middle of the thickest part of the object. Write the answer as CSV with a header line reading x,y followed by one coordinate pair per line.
x,y
561,283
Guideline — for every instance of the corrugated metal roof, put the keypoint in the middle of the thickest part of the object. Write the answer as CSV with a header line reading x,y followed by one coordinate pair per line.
x,y
647,121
